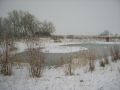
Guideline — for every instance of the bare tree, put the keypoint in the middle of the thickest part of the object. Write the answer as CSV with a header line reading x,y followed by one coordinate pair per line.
x,y
47,28
24,24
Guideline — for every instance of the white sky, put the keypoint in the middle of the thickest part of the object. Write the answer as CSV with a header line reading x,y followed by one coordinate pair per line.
x,y
78,17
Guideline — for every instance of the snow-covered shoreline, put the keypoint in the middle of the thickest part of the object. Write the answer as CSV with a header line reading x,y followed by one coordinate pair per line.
x,y
51,47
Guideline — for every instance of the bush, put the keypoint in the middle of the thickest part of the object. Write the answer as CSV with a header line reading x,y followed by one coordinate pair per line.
x,y
35,58
102,63
36,62
105,58
115,53
6,68
6,63
91,65
68,67
91,58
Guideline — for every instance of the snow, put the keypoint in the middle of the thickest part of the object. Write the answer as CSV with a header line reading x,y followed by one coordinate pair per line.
x,y
102,42
62,49
51,47
21,46
107,78
58,48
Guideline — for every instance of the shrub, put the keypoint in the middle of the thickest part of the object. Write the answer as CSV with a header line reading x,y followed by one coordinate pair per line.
x,y
115,53
35,58
91,58
6,68
36,62
106,60
6,63
105,57
68,67
102,63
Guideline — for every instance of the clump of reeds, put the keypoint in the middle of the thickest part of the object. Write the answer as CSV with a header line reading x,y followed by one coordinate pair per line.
x,y
6,62
115,53
91,58
102,63
104,60
68,67
35,58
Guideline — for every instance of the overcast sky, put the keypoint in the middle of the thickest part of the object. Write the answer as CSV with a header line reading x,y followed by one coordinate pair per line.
x,y
79,17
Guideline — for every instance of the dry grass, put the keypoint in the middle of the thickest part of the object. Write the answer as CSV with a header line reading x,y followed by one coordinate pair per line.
x,y
105,57
91,57
36,62
80,60
104,60
115,53
35,58
102,63
76,61
68,67
6,68
6,62
118,69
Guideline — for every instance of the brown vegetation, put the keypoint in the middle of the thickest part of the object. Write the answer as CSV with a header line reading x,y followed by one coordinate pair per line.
x,y
115,53
35,58
6,63
91,58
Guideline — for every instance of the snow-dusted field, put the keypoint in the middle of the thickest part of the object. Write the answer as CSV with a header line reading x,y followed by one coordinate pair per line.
x,y
107,78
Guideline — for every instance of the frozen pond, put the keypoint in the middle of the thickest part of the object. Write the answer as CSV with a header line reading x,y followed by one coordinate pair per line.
x,y
55,57
54,53
99,48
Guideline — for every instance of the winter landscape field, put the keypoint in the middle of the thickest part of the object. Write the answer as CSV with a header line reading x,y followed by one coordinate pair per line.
x,y
59,45
60,77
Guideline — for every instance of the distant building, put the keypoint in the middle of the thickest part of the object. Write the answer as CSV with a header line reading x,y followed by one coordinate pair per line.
x,y
106,35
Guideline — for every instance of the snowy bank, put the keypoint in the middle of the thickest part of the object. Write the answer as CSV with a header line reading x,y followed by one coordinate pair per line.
x,y
51,47
62,49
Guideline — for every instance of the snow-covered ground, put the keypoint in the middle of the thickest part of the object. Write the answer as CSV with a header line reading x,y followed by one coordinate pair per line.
x,y
107,78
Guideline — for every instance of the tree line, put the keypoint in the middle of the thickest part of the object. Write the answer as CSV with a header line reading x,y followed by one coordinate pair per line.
x,y
20,24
